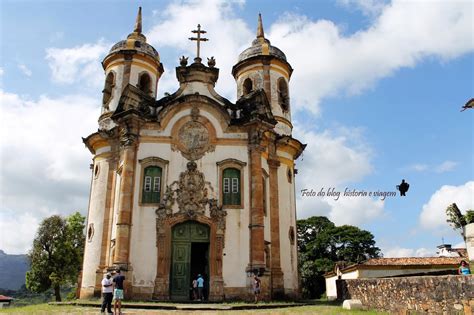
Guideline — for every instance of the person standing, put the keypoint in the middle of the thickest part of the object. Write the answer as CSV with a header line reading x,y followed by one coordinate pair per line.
x,y
464,268
118,292
256,287
107,289
195,289
200,286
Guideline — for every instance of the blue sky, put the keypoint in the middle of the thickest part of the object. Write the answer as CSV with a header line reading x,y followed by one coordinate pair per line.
x,y
376,94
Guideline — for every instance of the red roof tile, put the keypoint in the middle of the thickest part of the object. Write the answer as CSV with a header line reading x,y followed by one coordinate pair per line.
x,y
407,261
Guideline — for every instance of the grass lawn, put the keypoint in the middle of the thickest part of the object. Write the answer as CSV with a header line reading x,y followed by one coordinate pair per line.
x,y
67,309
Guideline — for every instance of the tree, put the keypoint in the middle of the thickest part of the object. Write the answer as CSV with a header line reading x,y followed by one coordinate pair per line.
x,y
322,244
457,220
56,256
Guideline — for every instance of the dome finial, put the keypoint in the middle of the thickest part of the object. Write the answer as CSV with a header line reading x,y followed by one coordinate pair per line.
x,y
260,27
138,22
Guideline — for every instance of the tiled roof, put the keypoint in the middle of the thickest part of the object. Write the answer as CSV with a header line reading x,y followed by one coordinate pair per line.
x,y
461,251
406,261
5,298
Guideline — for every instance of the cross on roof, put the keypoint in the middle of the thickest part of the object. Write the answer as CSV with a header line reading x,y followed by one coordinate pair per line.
x,y
199,39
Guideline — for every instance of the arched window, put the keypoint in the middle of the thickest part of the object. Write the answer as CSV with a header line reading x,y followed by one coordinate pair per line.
x,y
144,83
109,85
283,98
231,186
152,184
247,86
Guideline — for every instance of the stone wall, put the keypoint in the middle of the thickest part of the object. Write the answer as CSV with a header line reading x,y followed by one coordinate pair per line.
x,y
412,295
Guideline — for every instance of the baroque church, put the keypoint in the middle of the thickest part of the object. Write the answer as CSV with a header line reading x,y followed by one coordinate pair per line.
x,y
192,183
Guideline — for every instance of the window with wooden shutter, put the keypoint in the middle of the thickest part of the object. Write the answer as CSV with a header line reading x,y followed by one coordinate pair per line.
x,y
231,186
152,185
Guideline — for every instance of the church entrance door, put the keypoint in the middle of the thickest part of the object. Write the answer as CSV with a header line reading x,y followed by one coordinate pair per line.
x,y
190,257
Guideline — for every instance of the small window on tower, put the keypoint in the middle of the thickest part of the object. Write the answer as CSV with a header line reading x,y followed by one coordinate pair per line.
x,y
109,85
247,86
283,98
144,83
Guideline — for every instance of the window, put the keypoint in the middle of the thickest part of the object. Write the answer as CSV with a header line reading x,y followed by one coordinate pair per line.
x,y
231,186
144,83
107,92
152,185
247,87
231,183
283,98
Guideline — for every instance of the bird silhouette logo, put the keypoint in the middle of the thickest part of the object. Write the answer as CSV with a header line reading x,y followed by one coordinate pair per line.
x,y
403,187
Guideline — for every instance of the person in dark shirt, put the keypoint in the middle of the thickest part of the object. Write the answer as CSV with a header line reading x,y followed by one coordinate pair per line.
x,y
118,292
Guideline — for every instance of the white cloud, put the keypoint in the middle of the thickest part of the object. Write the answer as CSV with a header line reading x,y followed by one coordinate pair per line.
x,y
433,215
227,34
17,231
26,71
328,63
446,166
1,71
418,167
333,157
398,251
44,164
331,160
78,64
443,167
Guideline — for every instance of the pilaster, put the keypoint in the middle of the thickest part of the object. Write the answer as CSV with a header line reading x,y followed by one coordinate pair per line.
x,y
256,226
277,285
128,140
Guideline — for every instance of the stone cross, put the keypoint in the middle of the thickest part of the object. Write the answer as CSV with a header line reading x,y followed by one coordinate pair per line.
x,y
199,39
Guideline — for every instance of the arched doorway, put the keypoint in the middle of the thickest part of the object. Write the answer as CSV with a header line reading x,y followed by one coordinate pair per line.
x,y
189,257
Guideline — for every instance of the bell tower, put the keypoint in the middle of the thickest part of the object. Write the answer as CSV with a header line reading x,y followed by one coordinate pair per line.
x,y
131,61
263,66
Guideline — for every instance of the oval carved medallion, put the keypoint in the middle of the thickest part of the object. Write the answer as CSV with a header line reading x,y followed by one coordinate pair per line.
x,y
193,140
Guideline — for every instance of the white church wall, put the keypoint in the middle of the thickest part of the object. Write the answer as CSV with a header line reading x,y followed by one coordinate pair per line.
x,y
198,87
117,89
144,251
288,262
96,217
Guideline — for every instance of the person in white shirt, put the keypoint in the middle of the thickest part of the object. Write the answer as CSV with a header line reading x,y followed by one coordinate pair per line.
x,y
107,293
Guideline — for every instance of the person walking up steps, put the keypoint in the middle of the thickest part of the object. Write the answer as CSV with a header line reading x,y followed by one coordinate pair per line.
x,y
200,285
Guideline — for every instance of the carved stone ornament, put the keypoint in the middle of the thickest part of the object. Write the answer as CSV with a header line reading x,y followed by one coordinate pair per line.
x,y
193,139
127,136
190,192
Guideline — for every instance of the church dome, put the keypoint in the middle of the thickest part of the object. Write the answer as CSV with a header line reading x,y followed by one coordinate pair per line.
x,y
136,41
261,46
135,44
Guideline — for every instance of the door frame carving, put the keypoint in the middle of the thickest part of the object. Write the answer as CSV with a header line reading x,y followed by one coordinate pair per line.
x,y
164,227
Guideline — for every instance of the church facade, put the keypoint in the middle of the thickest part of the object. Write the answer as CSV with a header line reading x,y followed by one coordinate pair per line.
x,y
192,183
